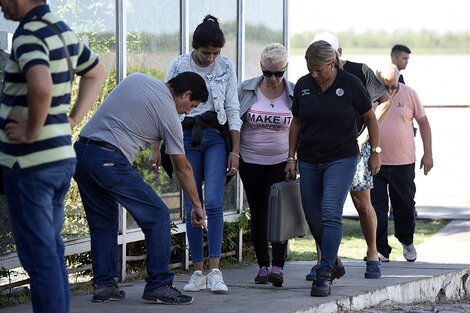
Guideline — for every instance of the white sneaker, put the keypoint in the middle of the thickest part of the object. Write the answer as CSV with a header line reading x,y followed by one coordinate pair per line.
x,y
196,283
383,258
409,252
215,281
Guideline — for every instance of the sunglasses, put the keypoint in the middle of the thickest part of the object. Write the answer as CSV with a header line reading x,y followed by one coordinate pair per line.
x,y
278,74
393,87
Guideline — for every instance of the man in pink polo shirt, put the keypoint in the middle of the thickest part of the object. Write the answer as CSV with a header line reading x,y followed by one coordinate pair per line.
x,y
396,176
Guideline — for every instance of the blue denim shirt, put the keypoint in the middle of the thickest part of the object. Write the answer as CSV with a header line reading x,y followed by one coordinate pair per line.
x,y
223,85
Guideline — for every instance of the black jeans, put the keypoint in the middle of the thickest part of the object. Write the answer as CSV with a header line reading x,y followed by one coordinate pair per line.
x,y
257,180
396,181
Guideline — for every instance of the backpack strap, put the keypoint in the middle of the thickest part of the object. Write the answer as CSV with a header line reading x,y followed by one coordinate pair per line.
x,y
67,54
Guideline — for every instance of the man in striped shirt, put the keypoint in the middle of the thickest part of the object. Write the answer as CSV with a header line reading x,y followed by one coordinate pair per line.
x,y
36,151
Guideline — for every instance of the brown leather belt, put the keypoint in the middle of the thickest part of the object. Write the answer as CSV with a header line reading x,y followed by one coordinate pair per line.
x,y
101,143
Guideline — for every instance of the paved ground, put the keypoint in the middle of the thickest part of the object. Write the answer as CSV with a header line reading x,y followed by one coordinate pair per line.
x,y
402,282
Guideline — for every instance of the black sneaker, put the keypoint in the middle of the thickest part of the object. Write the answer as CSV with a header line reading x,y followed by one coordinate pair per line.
x,y
105,294
313,273
338,270
167,294
321,287
262,277
276,277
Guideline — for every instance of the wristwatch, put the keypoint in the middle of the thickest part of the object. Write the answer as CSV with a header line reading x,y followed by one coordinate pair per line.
x,y
376,149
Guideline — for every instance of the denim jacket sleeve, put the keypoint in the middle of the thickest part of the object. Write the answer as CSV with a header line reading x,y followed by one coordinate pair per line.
x,y
231,104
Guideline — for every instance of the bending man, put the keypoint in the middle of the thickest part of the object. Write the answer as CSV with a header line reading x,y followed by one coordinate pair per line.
x,y
137,114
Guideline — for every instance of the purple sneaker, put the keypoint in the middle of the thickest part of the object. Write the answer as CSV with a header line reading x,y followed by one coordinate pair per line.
x,y
276,277
262,277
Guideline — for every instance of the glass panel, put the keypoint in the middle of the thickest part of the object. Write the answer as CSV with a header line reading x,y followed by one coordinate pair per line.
x,y
152,43
7,28
263,25
7,25
94,22
167,189
226,13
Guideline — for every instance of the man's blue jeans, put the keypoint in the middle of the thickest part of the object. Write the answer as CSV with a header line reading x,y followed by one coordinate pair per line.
x,y
105,178
323,188
209,163
35,200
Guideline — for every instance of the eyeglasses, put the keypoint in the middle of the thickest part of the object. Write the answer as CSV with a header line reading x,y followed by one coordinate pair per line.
x,y
278,74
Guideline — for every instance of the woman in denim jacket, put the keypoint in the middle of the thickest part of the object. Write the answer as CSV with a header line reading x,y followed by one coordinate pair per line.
x,y
211,157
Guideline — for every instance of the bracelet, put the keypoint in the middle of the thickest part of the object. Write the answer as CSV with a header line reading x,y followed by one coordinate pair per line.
x,y
233,153
291,160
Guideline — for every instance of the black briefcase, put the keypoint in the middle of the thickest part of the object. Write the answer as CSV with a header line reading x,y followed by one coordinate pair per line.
x,y
286,218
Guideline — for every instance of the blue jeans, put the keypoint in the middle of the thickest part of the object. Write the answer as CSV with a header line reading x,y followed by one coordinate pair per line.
x,y
35,200
398,181
323,188
105,178
209,163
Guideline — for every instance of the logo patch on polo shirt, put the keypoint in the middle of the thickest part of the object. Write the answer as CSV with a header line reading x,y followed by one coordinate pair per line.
x,y
305,92
339,92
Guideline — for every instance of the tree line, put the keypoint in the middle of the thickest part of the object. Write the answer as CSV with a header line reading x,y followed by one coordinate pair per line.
x,y
423,42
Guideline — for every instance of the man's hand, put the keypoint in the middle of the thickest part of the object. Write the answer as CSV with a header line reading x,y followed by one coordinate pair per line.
x,y
17,129
426,162
425,132
155,159
198,218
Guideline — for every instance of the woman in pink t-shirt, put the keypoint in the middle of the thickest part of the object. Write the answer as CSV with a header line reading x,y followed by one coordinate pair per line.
x,y
265,109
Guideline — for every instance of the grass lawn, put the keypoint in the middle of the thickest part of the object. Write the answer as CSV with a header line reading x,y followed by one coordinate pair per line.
x,y
354,246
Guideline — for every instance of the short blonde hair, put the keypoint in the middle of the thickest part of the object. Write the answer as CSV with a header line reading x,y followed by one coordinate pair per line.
x,y
274,53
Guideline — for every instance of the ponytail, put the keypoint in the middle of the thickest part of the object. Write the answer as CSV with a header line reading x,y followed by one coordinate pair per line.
x,y
208,33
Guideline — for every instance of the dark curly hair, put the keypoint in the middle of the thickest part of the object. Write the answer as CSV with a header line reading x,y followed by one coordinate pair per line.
x,y
190,81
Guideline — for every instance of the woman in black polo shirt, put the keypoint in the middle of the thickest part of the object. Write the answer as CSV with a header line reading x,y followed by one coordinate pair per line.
x,y
323,133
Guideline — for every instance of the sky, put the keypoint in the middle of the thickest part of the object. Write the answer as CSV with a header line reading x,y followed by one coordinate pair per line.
x,y
438,15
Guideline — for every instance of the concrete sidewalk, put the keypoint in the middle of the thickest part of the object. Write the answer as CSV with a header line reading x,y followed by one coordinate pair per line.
x,y
441,273
402,282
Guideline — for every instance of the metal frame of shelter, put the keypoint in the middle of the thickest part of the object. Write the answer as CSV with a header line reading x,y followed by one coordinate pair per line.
x,y
135,234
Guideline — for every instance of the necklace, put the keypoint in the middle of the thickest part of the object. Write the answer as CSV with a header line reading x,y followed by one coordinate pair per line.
x,y
271,100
